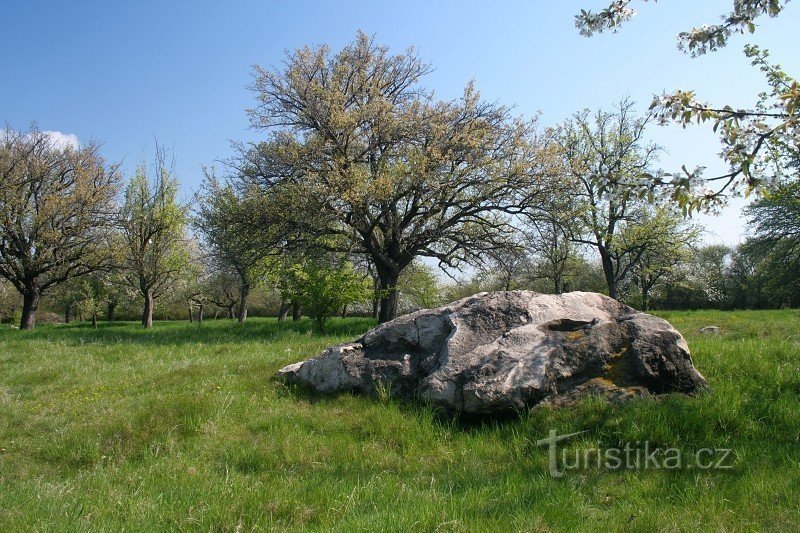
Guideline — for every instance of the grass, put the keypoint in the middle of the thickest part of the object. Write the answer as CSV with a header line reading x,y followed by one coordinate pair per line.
x,y
183,428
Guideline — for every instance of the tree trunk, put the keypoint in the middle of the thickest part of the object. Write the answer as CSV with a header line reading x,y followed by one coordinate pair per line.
x,y
200,313
608,272
191,315
376,301
147,313
344,311
645,298
558,276
68,313
30,303
94,318
388,304
243,295
283,312
112,308
296,312
231,314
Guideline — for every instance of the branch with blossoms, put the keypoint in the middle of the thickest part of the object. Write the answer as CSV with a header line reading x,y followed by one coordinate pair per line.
x,y
756,142
759,145
697,41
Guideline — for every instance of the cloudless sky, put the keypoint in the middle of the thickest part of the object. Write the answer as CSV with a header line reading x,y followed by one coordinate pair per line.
x,y
125,72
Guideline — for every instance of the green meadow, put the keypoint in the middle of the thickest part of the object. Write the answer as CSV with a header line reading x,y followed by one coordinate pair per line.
x,y
183,428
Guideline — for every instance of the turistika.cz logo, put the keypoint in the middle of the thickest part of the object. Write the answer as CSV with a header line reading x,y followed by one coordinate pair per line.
x,y
640,455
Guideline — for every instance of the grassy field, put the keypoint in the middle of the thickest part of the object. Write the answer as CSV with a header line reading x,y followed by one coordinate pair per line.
x,y
183,428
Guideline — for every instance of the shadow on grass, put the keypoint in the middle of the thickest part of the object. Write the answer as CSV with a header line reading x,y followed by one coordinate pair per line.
x,y
183,332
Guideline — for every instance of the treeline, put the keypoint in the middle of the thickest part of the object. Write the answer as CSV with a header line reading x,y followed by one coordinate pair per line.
x,y
363,180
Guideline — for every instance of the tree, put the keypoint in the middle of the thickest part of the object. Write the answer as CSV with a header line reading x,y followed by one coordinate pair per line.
x,y
419,287
226,219
668,241
774,246
323,285
548,237
603,154
56,207
757,142
356,142
224,290
8,301
152,223
67,296
507,268
194,280
95,292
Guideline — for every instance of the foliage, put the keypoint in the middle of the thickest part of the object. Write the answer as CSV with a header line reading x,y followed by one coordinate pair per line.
x,y
774,246
152,223
55,214
419,286
323,286
666,241
697,41
356,141
603,155
237,241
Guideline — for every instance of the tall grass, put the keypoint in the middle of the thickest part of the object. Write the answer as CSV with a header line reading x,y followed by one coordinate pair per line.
x,y
183,428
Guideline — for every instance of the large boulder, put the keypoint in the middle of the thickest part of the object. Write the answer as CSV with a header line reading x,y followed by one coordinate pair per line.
x,y
498,352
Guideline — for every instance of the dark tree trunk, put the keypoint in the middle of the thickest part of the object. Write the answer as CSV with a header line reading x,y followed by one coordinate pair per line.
x,y
283,312
94,318
344,311
645,298
147,313
376,302
243,295
112,309
558,278
608,272
68,313
296,312
388,309
30,303
388,303
231,314
191,314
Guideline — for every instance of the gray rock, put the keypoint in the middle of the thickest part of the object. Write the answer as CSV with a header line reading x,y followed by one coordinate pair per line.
x,y
708,330
498,352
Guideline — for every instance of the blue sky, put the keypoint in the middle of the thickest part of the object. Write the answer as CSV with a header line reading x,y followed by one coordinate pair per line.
x,y
124,72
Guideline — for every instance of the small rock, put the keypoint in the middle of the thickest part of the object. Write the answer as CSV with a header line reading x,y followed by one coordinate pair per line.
x,y
708,330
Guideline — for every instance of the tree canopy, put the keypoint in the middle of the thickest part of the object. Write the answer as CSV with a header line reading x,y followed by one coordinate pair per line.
x,y
377,161
56,210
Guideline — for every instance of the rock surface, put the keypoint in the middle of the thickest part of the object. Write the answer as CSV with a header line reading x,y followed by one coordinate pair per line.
x,y
498,352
